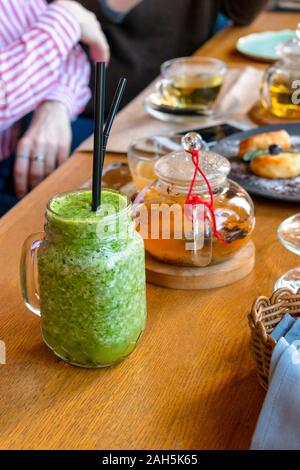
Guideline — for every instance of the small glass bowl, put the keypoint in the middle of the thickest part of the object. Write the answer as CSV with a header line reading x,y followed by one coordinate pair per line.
x,y
144,153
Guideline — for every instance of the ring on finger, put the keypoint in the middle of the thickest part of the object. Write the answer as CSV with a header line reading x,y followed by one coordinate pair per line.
x,y
38,158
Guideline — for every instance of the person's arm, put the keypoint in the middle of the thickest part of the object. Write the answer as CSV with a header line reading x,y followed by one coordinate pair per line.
x,y
123,6
72,87
243,13
30,66
117,10
49,136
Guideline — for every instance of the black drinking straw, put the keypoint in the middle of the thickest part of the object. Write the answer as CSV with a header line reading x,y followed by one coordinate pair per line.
x,y
98,135
114,109
101,137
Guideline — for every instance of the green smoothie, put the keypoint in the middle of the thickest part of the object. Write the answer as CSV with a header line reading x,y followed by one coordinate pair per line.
x,y
92,279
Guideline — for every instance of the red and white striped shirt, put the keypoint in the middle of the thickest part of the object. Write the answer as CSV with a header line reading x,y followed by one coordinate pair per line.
x,y
39,60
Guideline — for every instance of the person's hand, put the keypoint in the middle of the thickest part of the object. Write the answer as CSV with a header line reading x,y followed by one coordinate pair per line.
x,y
45,145
91,31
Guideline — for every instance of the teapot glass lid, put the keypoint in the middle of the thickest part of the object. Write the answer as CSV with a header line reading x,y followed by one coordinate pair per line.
x,y
178,167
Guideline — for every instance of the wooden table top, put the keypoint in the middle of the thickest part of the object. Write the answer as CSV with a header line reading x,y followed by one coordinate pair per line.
x,y
191,382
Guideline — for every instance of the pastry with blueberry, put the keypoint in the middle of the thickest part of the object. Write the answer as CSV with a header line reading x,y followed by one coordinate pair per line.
x,y
271,156
264,141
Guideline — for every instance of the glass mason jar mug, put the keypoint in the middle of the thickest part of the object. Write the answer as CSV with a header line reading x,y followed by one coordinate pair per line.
x,y
91,276
180,234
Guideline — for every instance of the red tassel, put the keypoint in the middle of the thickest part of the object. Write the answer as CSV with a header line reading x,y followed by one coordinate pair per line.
x,y
194,199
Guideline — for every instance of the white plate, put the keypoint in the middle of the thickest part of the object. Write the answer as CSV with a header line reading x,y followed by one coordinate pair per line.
x,y
263,46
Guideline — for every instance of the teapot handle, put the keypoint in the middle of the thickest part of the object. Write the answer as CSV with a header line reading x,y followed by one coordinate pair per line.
x,y
265,88
200,226
161,87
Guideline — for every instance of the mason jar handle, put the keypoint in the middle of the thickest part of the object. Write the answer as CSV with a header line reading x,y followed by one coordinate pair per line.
x,y
28,272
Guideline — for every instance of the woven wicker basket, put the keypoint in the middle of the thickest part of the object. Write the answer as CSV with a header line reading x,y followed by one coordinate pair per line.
x,y
265,314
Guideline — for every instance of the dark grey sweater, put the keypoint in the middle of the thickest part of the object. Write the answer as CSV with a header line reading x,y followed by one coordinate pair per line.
x,y
158,30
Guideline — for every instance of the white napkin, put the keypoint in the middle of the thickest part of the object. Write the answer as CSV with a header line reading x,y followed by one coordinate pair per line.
x,y
133,122
278,426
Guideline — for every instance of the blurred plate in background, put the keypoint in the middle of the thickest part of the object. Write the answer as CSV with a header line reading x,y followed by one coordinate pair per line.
x,y
263,46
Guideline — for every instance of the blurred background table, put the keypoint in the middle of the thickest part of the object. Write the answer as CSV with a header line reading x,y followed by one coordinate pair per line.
x,y
191,382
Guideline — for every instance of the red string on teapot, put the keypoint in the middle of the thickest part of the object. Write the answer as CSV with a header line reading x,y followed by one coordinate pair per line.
x,y
195,199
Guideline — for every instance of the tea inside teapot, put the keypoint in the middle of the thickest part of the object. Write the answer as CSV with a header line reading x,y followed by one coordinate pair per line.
x,y
182,234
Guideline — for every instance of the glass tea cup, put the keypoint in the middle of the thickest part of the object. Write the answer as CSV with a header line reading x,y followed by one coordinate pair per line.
x,y
145,152
191,83
289,236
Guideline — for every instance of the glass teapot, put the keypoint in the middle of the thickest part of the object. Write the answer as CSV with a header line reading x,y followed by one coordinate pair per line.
x,y
182,233
280,89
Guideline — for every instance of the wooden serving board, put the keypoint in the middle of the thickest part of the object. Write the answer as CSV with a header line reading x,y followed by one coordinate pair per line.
x,y
261,116
210,277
